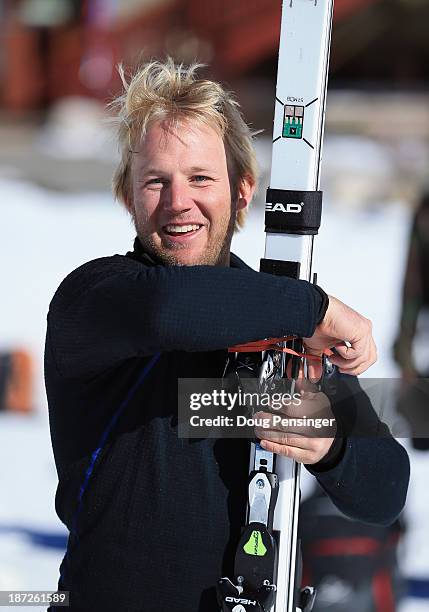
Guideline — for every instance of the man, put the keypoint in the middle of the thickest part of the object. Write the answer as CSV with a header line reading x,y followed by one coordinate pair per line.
x,y
413,327
153,518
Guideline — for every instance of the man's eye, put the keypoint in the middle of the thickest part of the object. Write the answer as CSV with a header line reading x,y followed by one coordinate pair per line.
x,y
156,181
200,178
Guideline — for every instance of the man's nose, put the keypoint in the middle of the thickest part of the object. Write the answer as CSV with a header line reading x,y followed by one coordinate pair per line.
x,y
176,197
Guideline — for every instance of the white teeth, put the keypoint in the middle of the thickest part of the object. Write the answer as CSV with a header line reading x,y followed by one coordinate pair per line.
x,y
181,229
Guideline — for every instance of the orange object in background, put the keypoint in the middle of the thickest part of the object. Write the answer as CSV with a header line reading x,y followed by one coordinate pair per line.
x,y
78,57
16,381
22,75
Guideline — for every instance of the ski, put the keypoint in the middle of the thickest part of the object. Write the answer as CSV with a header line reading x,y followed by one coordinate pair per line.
x,y
266,575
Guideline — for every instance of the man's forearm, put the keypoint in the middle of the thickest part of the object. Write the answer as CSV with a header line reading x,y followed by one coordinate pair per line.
x,y
116,308
370,483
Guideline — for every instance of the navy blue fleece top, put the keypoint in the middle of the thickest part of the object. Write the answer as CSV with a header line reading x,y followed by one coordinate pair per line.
x,y
155,519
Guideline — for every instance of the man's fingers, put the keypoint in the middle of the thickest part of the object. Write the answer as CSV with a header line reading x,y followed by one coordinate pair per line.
x,y
273,447
288,438
298,454
348,364
359,361
314,371
349,352
280,433
306,388
349,332
301,455
355,370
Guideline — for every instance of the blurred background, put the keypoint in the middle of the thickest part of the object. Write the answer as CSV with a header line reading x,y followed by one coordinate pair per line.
x,y
57,154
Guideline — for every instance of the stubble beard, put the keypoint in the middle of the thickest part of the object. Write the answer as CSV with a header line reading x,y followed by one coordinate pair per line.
x,y
217,252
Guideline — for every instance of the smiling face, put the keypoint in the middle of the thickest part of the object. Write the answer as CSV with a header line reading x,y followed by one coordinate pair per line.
x,y
181,198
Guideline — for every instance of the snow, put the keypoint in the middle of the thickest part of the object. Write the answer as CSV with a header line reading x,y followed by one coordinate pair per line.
x,y
44,235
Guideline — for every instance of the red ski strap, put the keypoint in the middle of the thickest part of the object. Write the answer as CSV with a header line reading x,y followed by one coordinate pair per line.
x,y
274,344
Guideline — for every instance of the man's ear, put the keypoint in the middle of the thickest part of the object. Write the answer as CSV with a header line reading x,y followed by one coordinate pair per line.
x,y
127,199
128,203
246,191
127,191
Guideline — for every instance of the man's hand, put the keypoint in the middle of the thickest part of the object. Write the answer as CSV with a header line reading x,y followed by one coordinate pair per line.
x,y
299,448
343,325
300,443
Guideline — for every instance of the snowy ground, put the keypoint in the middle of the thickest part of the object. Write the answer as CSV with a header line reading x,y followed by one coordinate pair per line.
x,y
360,256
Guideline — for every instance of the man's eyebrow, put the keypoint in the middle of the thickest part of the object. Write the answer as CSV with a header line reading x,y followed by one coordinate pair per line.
x,y
190,170
196,169
145,171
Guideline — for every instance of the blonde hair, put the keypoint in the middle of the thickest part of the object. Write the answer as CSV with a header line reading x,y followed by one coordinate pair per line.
x,y
160,91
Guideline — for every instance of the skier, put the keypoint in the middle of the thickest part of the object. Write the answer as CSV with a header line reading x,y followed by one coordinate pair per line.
x,y
153,518
413,398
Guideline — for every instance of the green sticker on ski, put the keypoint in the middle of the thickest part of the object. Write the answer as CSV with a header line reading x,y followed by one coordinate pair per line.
x,y
293,121
254,545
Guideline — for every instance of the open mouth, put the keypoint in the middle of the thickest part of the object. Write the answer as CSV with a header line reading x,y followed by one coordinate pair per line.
x,y
182,230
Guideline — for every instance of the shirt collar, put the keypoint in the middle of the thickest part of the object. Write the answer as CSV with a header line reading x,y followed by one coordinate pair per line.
x,y
140,254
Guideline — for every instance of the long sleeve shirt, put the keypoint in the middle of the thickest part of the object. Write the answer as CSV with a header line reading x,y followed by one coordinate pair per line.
x,y
154,518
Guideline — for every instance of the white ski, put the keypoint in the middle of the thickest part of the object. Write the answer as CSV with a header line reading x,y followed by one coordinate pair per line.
x,y
265,563
297,151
